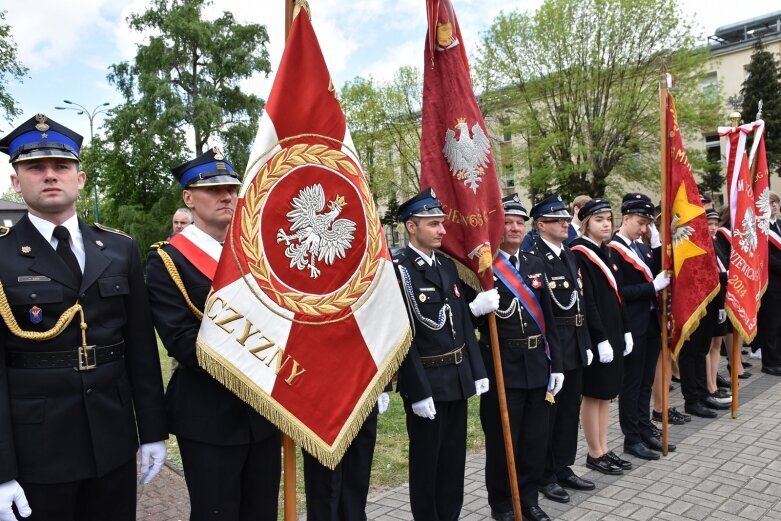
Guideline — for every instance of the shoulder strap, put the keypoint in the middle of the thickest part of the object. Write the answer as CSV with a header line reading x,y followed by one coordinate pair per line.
x,y
170,266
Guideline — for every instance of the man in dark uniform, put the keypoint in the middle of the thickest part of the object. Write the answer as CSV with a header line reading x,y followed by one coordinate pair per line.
x,y
80,376
443,367
637,263
230,454
525,366
566,288
768,326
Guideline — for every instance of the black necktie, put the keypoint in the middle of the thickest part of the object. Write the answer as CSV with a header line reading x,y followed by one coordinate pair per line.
x,y
514,261
65,252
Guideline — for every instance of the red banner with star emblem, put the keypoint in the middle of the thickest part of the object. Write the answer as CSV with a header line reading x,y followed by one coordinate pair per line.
x,y
455,153
305,321
689,249
744,286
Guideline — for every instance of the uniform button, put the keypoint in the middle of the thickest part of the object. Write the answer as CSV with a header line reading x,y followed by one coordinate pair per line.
x,y
33,295
88,391
117,287
82,295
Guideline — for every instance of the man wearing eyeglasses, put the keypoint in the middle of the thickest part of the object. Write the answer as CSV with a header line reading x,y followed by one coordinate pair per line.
x,y
552,221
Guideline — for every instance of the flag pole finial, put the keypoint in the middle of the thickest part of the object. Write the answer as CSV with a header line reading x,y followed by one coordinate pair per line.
x,y
734,119
759,110
301,4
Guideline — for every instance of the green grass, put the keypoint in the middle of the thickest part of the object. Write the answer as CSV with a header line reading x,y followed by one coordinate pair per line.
x,y
391,454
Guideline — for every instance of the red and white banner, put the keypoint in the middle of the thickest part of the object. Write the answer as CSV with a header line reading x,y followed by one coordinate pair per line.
x,y
757,161
305,322
744,287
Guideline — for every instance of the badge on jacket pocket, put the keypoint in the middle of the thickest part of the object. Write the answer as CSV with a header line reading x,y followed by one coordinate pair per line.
x,y
36,315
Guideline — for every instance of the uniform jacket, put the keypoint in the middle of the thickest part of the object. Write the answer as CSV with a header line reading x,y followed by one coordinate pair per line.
x,y
522,368
774,261
637,293
58,424
198,406
432,288
563,280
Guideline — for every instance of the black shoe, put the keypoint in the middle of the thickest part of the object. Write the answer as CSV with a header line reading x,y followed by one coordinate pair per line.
x,y
697,409
723,382
615,460
711,403
534,513
554,492
722,396
503,516
603,465
745,375
672,412
577,483
640,450
748,364
656,444
771,369
655,431
675,379
673,417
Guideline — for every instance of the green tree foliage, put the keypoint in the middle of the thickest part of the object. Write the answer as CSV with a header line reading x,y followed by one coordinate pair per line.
x,y
10,69
578,80
764,83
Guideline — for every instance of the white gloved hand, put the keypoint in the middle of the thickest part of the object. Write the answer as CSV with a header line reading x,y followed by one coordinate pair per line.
x,y
605,352
661,281
722,316
155,452
382,402
425,408
11,493
558,382
589,357
485,302
481,386
655,241
629,343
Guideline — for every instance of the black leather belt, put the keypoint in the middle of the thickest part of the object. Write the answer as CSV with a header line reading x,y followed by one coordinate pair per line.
x,y
76,358
574,320
531,342
454,357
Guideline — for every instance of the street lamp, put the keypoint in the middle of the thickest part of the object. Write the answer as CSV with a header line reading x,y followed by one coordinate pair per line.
x,y
91,115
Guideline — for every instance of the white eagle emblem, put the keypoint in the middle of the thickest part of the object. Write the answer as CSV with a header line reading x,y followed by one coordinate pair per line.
x,y
680,233
320,236
748,238
467,156
763,211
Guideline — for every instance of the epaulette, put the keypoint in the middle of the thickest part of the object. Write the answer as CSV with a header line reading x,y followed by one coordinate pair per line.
x,y
158,244
4,230
112,230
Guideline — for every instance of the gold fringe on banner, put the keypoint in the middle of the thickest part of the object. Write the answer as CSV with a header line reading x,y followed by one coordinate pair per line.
x,y
691,325
330,456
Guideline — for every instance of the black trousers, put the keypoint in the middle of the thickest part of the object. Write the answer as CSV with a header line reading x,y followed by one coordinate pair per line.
x,y
563,428
232,482
692,360
769,329
112,496
340,494
634,402
437,460
528,412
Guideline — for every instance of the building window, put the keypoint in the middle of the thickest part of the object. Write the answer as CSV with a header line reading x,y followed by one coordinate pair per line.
x,y
507,136
713,148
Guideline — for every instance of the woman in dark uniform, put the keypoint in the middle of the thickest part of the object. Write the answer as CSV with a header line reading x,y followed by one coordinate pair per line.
x,y
723,327
608,328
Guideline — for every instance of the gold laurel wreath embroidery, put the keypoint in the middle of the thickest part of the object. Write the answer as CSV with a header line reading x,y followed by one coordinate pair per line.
x,y
272,171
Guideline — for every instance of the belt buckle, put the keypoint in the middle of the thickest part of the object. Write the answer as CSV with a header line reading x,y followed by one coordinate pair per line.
x,y
88,358
533,341
458,356
578,320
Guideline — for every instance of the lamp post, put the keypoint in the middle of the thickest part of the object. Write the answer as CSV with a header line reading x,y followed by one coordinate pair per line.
x,y
81,109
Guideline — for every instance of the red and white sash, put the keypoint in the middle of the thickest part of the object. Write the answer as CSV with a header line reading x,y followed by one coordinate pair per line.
x,y
593,257
773,238
632,258
198,247
726,232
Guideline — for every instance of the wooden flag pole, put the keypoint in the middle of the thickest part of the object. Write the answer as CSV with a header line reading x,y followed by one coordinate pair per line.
x,y
505,417
665,224
288,446
736,338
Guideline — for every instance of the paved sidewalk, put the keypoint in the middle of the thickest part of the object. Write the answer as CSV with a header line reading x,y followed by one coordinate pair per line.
x,y
723,469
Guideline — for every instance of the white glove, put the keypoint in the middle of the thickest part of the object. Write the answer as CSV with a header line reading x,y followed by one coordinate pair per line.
x,y
485,302
661,281
382,402
605,352
558,382
425,408
722,316
155,451
589,357
629,343
481,386
11,493
655,241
